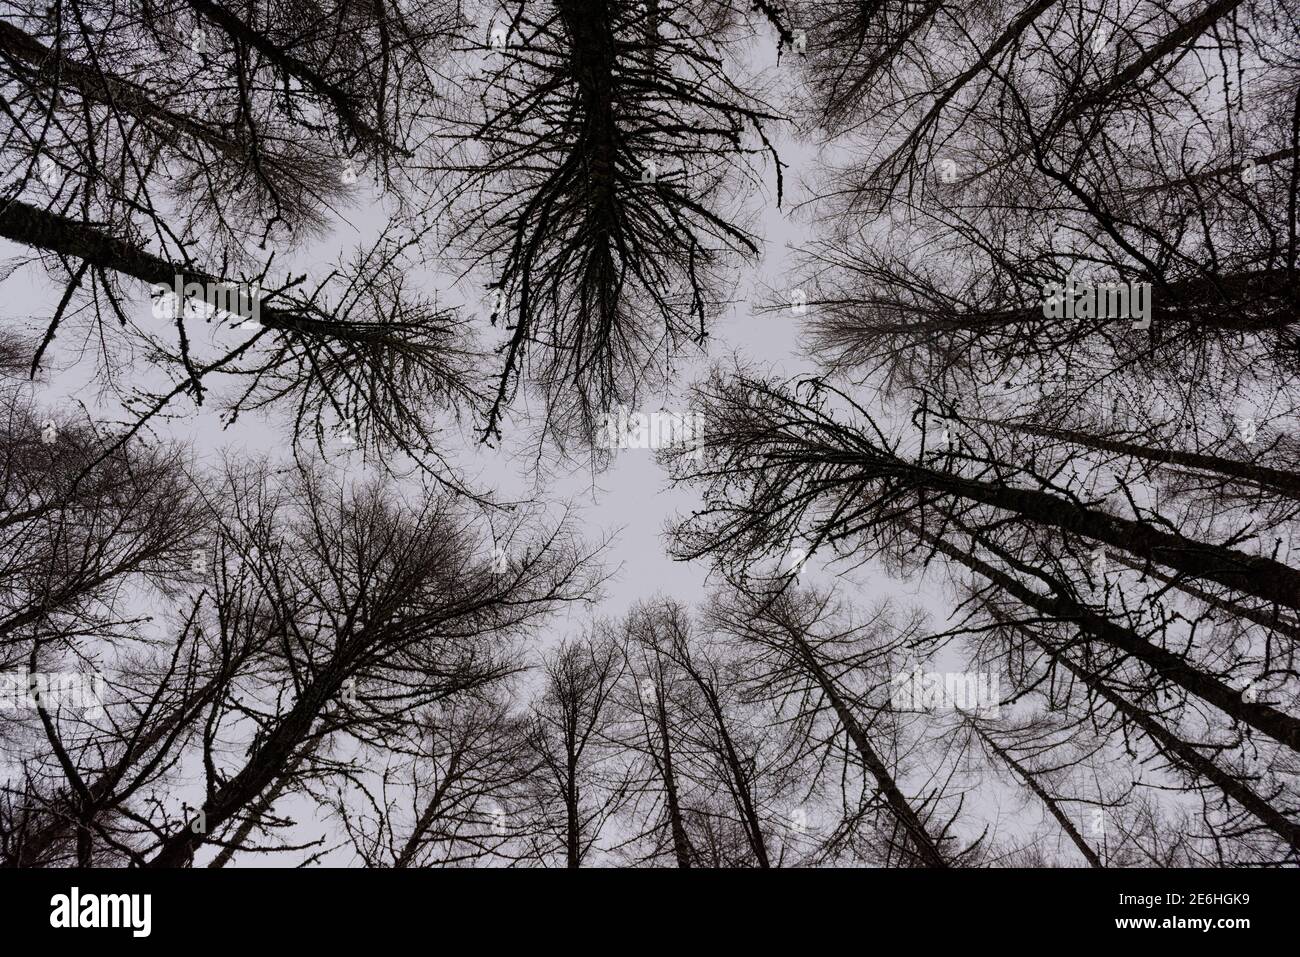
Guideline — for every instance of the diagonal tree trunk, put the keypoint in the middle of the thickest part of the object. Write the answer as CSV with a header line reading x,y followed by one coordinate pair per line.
x,y
922,844
1264,578
740,782
58,72
262,769
1276,480
1060,607
263,806
1052,805
1175,748
1269,619
308,75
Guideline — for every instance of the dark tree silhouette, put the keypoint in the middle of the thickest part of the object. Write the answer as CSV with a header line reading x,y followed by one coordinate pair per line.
x,y
597,185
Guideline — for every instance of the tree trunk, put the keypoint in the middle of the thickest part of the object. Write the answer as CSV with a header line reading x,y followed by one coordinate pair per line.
x,y
264,805
1263,578
1175,748
681,846
1278,726
262,768
923,845
1048,801
1269,619
1284,483
740,780
572,831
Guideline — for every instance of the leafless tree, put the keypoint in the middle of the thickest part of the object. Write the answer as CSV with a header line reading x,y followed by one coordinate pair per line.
x,y
600,174
579,783
201,144
807,464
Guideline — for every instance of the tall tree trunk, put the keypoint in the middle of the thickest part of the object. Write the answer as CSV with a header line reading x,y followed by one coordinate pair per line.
x,y
1174,747
572,828
284,60
681,846
1049,802
428,815
740,780
1269,619
121,96
1284,483
1169,43
1263,578
263,807
922,844
261,770
41,229
1060,607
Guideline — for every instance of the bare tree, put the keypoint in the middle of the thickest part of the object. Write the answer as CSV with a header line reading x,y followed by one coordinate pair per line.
x,y
133,173
449,796
833,670
599,167
579,784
